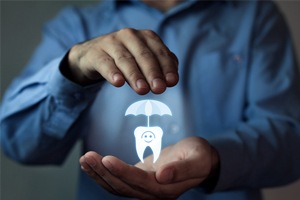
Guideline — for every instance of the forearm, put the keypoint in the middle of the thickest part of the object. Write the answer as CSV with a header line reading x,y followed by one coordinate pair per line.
x,y
260,153
44,107
39,110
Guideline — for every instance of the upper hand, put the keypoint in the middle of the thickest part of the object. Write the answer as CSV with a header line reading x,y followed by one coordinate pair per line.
x,y
137,57
179,168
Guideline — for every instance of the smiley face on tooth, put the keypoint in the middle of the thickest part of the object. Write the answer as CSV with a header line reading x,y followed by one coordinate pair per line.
x,y
148,136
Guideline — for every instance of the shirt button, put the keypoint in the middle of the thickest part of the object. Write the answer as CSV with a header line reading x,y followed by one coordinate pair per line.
x,y
237,58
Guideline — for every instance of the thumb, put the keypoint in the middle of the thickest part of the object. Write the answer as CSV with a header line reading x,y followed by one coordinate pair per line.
x,y
181,170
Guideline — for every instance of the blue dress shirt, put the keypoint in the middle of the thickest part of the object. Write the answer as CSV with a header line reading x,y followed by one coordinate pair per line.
x,y
239,88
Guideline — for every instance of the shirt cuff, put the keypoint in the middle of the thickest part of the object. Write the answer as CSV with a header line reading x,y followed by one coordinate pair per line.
x,y
230,150
68,92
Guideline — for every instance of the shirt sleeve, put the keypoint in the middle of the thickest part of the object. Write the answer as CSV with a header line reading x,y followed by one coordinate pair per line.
x,y
263,150
40,107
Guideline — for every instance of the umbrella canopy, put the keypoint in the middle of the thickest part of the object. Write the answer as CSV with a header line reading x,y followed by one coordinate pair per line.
x,y
148,108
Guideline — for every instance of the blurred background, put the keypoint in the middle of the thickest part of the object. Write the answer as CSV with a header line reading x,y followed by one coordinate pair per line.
x,y
21,23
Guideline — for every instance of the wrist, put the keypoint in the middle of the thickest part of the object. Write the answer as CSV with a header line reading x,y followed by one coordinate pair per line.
x,y
71,71
212,179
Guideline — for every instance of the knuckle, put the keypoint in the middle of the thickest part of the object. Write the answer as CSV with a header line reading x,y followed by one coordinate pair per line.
x,y
123,55
145,53
154,72
164,52
107,39
76,49
133,75
105,59
127,31
151,34
100,172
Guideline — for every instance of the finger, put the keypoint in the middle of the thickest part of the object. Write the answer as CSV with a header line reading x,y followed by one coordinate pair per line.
x,y
91,165
148,164
182,170
170,70
167,60
130,174
166,156
105,65
150,189
86,165
145,59
126,63
118,168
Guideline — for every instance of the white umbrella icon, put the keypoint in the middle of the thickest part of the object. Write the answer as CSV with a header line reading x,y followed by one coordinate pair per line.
x,y
148,108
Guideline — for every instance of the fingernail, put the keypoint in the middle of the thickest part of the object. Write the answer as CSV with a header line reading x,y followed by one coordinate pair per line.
x,y
140,84
83,168
90,161
171,78
107,164
116,77
158,83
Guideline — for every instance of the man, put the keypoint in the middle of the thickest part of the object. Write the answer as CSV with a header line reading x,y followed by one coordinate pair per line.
x,y
235,126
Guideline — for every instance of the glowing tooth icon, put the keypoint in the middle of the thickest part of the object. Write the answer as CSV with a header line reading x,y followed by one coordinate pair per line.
x,y
148,136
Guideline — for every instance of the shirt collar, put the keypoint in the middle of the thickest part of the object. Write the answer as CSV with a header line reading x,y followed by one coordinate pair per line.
x,y
114,4
184,4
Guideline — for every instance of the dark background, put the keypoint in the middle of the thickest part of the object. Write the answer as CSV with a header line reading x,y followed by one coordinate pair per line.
x,y
21,23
